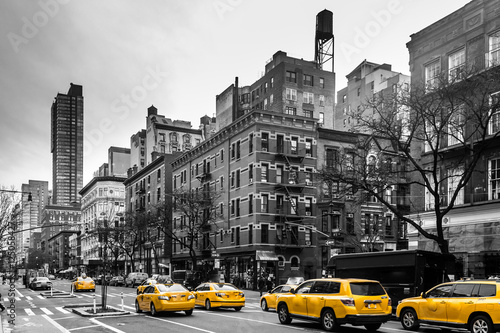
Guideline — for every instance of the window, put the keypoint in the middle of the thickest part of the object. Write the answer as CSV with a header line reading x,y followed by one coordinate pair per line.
x,y
238,207
331,158
264,170
454,176
291,110
344,98
441,291
232,207
222,182
272,82
250,143
359,91
238,152
308,147
232,179
494,125
308,203
294,145
308,98
494,49
291,76
294,210
308,113
265,141
222,155
250,233
245,98
271,99
250,173
308,80
456,124
321,100
321,118
463,290
456,65
291,94
237,178
265,104
264,203
494,179
431,73
250,204
279,174
280,202
280,143
265,87
321,82
264,233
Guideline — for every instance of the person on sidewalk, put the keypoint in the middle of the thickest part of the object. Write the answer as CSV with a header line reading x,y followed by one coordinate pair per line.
x,y
262,285
2,307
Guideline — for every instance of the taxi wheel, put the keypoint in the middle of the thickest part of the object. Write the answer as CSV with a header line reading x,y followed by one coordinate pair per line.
x,y
263,305
208,305
188,312
372,327
154,313
409,320
237,309
137,308
481,324
328,320
283,314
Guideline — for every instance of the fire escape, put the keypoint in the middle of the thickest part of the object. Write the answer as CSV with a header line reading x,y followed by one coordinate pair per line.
x,y
288,189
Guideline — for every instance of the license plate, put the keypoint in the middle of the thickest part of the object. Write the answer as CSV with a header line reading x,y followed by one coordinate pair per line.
x,y
371,306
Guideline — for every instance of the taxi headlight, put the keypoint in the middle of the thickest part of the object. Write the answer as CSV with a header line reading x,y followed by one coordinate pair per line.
x,y
164,298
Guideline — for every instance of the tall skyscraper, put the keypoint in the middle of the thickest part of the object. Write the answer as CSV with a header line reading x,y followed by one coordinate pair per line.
x,y
67,146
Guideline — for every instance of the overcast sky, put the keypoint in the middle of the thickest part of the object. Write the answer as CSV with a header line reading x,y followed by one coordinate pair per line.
x,y
175,54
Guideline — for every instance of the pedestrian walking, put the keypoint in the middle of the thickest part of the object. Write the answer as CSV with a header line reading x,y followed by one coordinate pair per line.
x,y
262,285
2,307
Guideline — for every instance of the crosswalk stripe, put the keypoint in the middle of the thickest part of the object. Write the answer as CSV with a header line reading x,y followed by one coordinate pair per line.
x,y
29,312
18,298
47,311
6,299
29,298
62,310
40,296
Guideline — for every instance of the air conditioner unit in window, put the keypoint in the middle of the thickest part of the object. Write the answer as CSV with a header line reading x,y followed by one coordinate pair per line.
x,y
308,155
308,182
281,263
264,149
308,242
350,215
308,213
250,181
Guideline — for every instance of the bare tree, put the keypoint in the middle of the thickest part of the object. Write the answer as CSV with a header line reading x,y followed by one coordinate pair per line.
x,y
186,217
436,133
8,213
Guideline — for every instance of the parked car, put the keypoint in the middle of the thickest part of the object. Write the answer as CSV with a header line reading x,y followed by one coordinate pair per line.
x,y
165,298
334,302
52,277
117,281
268,300
135,278
83,283
219,295
40,282
98,280
471,304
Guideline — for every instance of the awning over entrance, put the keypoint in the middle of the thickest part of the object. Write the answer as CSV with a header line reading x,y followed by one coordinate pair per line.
x,y
266,256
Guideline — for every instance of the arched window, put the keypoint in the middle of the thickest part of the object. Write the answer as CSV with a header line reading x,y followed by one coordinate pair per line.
x,y
294,262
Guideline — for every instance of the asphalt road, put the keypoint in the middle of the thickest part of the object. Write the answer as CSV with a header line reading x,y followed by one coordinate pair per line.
x,y
35,313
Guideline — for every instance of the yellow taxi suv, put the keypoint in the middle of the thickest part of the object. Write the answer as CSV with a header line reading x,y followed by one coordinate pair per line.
x,y
144,284
83,283
335,302
471,304
268,300
165,298
219,295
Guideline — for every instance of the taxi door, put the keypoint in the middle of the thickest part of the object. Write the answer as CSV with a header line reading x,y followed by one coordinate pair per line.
x,y
271,299
460,305
201,293
298,303
316,298
435,304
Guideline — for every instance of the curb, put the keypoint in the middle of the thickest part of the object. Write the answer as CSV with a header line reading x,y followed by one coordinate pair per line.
x,y
83,309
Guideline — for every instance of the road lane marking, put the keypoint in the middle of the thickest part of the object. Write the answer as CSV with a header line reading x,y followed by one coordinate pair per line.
x,y
29,312
62,310
184,325
47,311
59,327
253,320
82,328
29,298
95,321
40,296
18,298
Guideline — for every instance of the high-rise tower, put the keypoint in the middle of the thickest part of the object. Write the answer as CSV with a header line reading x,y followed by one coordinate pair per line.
x,y
67,146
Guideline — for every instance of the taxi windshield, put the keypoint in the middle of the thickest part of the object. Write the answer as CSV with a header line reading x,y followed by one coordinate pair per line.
x,y
224,286
169,288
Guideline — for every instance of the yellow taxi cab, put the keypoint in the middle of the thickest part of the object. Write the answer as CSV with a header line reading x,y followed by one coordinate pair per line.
x,y
268,300
165,298
83,283
144,284
334,302
470,304
219,295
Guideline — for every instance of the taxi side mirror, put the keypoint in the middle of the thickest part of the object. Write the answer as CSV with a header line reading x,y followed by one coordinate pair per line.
x,y
292,290
423,295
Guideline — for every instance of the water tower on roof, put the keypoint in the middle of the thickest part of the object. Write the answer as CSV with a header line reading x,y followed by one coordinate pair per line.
x,y
323,51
